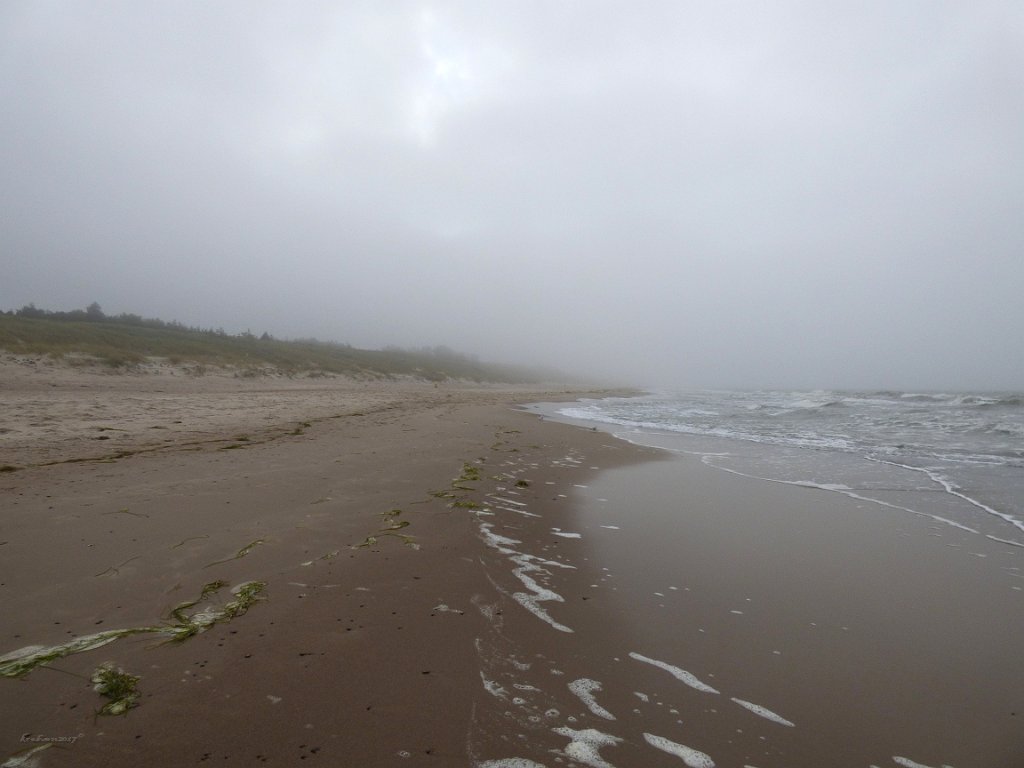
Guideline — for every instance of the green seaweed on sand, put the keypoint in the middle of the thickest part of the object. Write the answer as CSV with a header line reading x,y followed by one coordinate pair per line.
x,y
178,612
522,483
245,596
239,554
25,758
500,441
470,474
9,468
19,663
389,528
118,686
369,541
465,504
186,625
406,539
390,523
333,553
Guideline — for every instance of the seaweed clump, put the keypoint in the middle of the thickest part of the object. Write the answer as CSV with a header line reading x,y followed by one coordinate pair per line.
x,y
186,625
116,685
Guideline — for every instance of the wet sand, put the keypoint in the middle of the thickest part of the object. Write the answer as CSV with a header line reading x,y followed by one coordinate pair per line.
x,y
558,596
756,624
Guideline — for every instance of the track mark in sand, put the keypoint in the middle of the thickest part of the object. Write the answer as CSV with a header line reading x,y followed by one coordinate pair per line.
x,y
190,538
116,568
125,511
239,554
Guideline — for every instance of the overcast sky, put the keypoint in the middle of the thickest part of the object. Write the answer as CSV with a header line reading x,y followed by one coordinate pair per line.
x,y
796,194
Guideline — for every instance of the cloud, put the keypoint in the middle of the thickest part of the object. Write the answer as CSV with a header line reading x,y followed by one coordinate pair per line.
x,y
730,195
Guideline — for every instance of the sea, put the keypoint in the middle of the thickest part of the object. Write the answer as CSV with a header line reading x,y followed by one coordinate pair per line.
x,y
957,457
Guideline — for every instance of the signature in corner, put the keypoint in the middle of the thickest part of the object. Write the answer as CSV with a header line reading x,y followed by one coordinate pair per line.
x,y
32,738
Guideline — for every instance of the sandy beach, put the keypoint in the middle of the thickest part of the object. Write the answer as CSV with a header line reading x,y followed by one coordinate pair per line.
x,y
440,578
133,493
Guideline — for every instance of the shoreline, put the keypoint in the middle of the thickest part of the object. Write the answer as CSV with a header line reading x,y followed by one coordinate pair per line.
x,y
366,617
450,578
798,626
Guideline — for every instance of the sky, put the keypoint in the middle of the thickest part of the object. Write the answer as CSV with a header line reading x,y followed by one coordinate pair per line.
x,y
715,194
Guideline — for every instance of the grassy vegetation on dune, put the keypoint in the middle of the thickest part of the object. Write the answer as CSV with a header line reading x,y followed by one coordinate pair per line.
x,y
126,341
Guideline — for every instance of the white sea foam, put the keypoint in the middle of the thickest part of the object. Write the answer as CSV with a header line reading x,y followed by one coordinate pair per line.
x,y
496,540
611,527
968,444
517,510
510,762
444,608
906,762
584,689
692,757
568,535
493,688
836,489
503,500
952,490
530,603
527,564
767,714
679,674
1005,541
584,745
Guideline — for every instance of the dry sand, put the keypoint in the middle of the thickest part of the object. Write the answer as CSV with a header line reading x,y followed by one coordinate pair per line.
x,y
136,491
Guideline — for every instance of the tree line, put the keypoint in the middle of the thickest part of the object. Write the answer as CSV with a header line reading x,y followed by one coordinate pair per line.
x,y
94,314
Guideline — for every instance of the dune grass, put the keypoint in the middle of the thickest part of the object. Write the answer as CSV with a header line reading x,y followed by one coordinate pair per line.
x,y
127,342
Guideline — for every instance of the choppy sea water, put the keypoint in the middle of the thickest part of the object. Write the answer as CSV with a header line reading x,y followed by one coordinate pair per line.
x,y
957,457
